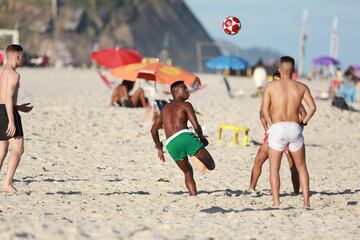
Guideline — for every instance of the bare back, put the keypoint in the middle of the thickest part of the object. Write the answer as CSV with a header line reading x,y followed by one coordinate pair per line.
x,y
285,97
7,75
175,117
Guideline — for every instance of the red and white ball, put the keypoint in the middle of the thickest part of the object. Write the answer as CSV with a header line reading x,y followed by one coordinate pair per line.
x,y
231,25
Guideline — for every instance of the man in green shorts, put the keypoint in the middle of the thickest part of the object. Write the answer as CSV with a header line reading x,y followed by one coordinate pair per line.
x,y
181,142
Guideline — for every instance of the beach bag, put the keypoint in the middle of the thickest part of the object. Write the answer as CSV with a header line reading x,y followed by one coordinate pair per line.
x,y
340,102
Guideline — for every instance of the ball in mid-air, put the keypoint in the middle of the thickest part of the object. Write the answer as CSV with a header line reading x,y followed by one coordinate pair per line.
x,y
231,25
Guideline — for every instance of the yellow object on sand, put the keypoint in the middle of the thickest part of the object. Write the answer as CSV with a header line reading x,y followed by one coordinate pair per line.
x,y
236,130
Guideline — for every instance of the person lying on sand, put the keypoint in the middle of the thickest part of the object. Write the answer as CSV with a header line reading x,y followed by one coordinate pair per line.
x,y
280,108
180,141
121,96
263,153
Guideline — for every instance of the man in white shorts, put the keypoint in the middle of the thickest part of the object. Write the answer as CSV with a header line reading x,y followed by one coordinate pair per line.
x,y
280,108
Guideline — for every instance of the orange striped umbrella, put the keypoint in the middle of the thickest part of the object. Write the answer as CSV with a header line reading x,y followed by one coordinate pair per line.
x,y
159,72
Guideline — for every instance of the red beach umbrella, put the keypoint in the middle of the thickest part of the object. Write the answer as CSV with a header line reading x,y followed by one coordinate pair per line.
x,y
115,57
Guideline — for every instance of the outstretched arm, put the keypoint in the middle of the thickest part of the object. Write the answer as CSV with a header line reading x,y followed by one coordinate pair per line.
x,y
155,135
194,122
310,103
265,109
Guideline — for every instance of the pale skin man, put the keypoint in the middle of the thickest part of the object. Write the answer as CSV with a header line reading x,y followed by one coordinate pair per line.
x,y
182,143
280,108
263,153
11,132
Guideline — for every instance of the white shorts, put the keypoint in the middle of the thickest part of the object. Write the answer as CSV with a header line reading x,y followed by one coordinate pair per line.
x,y
260,82
285,133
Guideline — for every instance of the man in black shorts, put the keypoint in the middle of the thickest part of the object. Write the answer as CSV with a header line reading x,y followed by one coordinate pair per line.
x,y
10,121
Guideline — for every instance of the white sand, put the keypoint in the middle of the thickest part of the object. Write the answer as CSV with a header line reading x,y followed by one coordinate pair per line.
x,y
91,172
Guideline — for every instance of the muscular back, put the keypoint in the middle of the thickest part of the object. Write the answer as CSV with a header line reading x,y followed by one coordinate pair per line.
x,y
285,97
174,117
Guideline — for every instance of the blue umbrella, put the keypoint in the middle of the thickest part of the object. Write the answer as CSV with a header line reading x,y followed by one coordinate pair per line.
x,y
227,62
326,60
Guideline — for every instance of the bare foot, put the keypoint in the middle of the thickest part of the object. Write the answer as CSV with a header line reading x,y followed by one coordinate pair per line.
x,y
199,165
8,189
276,204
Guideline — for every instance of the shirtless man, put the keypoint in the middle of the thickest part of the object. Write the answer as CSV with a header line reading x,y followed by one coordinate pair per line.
x,y
181,142
10,122
263,152
280,108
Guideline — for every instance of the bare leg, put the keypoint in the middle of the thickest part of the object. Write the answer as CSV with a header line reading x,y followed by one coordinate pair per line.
x,y
115,97
4,146
261,157
274,162
17,149
139,97
294,173
300,162
199,165
204,156
185,166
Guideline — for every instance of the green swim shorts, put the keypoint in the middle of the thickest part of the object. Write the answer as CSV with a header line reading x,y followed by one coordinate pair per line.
x,y
183,143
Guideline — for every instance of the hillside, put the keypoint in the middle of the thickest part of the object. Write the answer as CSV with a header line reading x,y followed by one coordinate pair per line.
x,y
84,25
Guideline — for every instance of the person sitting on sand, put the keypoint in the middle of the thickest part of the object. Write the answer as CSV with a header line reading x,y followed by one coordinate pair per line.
x,y
345,95
263,153
280,108
121,96
181,142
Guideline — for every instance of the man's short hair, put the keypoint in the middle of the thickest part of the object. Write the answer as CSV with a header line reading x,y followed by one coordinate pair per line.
x,y
288,59
14,48
276,74
175,85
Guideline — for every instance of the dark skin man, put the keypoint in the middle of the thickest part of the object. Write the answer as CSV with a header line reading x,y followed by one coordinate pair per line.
x,y
182,143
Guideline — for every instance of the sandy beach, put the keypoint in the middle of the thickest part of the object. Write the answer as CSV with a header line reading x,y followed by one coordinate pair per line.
x,y
91,171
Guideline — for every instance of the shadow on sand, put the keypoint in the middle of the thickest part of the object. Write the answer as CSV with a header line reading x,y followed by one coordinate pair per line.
x,y
216,209
128,193
267,192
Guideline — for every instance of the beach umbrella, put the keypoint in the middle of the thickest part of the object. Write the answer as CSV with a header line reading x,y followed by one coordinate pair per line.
x,y
227,62
114,57
357,71
158,72
326,60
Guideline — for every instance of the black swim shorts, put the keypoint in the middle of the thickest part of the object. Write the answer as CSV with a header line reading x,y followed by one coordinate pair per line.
x,y
4,121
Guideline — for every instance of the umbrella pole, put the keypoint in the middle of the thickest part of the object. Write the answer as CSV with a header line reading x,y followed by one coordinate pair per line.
x,y
227,85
